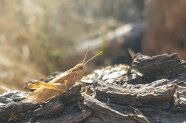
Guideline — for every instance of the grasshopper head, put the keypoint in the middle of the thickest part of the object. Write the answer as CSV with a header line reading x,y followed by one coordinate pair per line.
x,y
80,66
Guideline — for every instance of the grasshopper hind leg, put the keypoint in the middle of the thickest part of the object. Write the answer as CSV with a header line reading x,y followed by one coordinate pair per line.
x,y
51,86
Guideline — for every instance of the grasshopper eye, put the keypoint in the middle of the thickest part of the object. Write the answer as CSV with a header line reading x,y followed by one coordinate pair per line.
x,y
81,67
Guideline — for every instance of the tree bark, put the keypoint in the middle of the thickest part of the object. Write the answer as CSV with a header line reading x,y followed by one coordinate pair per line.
x,y
151,90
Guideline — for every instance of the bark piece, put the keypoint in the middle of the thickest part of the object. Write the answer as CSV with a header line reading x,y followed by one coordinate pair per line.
x,y
158,67
72,117
145,96
13,107
105,112
180,98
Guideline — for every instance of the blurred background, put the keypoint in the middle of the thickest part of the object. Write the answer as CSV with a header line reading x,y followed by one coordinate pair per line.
x,y
39,37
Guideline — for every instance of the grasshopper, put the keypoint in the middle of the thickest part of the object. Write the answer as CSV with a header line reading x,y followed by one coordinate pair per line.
x,y
62,83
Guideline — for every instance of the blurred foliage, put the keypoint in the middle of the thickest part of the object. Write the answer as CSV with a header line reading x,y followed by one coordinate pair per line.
x,y
37,35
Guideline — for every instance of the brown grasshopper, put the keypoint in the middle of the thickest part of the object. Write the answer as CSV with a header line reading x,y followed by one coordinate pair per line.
x,y
62,83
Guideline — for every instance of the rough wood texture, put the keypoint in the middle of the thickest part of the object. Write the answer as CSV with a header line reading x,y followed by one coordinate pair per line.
x,y
159,94
113,94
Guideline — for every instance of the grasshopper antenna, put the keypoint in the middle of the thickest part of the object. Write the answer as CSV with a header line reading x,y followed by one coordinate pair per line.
x,y
85,56
93,57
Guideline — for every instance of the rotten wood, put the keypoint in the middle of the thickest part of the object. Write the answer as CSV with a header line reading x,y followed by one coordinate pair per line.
x,y
159,93
112,94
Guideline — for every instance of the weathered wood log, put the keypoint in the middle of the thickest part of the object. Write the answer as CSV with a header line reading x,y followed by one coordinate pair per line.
x,y
14,108
100,107
159,93
153,90
110,115
72,117
147,96
157,67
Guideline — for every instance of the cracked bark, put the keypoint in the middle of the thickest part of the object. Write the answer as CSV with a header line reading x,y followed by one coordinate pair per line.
x,y
114,94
